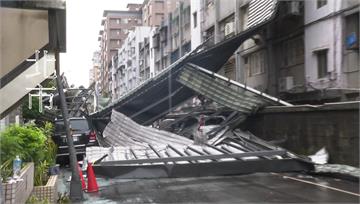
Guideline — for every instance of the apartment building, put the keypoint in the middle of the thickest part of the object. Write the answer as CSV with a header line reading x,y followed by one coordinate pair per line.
x,y
94,72
155,47
155,11
116,26
128,62
332,49
314,60
172,39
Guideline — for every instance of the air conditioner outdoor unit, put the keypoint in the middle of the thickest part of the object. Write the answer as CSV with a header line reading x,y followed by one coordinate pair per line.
x,y
229,28
286,83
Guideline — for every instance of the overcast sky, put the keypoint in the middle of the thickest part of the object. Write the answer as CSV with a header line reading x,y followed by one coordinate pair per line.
x,y
83,18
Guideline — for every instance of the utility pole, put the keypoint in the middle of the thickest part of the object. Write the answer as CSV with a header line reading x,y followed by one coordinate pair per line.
x,y
76,193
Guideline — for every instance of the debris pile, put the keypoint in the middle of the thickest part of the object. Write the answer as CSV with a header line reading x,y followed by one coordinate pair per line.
x,y
136,151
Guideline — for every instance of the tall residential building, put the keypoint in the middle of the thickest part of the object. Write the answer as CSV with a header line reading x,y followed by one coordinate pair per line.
x,y
94,73
172,39
116,25
128,63
156,48
155,11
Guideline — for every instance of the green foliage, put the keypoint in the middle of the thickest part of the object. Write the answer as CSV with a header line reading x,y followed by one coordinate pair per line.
x,y
41,173
32,113
32,144
48,129
35,200
50,146
26,141
6,169
63,198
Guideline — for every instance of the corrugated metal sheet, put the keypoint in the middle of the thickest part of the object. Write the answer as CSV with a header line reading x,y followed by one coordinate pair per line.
x,y
122,131
260,11
238,153
132,141
221,91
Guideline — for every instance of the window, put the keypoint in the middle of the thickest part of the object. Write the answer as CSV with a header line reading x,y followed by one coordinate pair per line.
x,y
321,3
321,56
352,31
118,21
244,15
255,63
160,4
293,52
186,16
195,19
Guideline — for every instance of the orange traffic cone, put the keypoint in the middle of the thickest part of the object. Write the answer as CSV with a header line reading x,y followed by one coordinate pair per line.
x,y
92,184
83,185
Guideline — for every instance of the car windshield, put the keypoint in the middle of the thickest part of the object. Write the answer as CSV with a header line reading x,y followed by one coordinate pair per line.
x,y
77,125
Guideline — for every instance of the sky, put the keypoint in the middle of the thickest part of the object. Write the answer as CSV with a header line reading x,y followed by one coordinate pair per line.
x,y
83,22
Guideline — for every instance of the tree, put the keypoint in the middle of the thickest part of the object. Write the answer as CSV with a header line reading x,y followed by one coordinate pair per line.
x,y
33,113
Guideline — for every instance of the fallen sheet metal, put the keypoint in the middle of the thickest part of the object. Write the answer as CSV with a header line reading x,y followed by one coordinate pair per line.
x,y
122,131
225,91
146,152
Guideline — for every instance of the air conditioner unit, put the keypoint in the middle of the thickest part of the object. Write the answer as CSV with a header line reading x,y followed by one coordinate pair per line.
x,y
286,83
229,28
293,8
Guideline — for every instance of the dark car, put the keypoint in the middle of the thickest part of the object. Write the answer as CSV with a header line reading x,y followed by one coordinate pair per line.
x,y
83,136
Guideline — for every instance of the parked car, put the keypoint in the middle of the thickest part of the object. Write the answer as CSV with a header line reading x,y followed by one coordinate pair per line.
x,y
82,133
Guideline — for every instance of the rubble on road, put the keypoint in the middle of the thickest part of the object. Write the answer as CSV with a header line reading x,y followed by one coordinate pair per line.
x,y
338,169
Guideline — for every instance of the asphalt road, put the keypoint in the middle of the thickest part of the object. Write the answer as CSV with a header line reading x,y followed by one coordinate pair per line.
x,y
252,188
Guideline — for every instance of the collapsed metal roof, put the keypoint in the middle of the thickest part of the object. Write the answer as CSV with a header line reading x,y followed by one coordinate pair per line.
x,y
146,152
122,131
159,95
225,91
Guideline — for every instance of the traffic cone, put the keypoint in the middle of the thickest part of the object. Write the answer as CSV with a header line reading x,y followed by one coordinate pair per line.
x,y
83,185
92,184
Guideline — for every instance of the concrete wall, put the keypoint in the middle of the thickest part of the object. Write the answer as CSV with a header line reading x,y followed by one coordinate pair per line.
x,y
306,130
226,9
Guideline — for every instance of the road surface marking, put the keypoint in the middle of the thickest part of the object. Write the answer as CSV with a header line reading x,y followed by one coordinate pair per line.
x,y
317,184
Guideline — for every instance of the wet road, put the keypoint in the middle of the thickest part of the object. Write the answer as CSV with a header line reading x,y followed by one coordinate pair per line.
x,y
253,188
